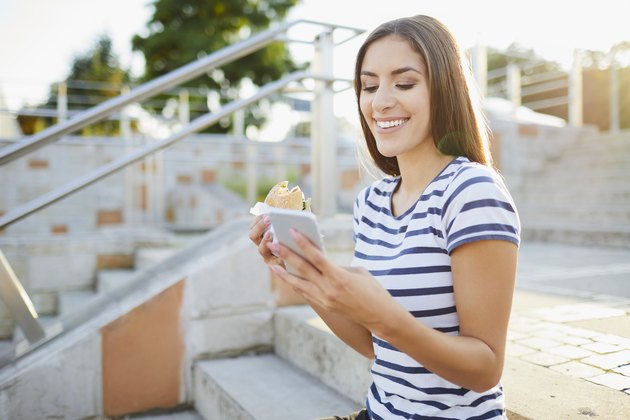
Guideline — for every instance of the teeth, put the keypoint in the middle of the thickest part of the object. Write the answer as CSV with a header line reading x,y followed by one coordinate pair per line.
x,y
388,124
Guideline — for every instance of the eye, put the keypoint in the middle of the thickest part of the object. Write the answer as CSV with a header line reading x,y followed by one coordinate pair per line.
x,y
405,86
369,89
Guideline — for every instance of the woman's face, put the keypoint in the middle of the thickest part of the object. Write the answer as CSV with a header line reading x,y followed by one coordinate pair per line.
x,y
395,97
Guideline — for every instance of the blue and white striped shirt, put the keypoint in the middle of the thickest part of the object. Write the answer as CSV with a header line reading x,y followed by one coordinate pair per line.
x,y
409,255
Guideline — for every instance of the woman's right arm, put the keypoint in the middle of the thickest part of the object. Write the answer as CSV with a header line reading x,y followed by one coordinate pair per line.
x,y
353,334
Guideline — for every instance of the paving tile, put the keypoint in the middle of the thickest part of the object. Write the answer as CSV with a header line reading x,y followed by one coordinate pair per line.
x,y
609,361
516,350
544,359
576,341
583,332
525,325
612,380
577,369
614,339
601,348
570,352
539,343
624,370
514,335
576,312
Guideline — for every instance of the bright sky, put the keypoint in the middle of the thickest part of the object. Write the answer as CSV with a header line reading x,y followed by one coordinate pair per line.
x,y
39,38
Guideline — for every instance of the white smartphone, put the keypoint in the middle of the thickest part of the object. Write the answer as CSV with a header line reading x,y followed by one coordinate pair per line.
x,y
304,222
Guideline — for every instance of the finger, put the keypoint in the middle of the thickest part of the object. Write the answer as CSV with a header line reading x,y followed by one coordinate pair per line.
x,y
259,226
305,288
263,248
301,266
313,253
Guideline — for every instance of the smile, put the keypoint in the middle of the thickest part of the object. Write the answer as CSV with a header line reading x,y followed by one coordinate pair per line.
x,y
392,123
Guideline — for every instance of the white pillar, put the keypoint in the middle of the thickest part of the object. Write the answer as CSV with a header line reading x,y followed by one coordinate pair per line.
x,y
575,90
614,92
514,84
480,68
62,102
324,179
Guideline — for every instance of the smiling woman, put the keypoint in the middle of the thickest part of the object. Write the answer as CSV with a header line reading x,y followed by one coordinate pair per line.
x,y
429,292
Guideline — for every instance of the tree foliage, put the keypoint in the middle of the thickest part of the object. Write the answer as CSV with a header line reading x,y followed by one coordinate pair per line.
x,y
94,77
181,31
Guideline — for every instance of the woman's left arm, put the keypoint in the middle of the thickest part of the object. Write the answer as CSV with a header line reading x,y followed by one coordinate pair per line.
x,y
484,274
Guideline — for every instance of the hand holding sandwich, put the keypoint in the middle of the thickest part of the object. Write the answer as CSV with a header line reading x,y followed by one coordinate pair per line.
x,y
279,197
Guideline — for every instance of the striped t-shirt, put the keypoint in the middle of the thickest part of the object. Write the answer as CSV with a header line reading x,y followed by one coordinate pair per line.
x,y
409,255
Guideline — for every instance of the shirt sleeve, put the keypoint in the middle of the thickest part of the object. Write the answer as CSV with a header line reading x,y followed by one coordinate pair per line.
x,y
478,207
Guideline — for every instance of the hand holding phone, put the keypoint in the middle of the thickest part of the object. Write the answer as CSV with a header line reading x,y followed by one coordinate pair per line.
x,y
304,222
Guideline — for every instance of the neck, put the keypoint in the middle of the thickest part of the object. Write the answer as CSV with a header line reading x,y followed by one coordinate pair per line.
x,y
418,168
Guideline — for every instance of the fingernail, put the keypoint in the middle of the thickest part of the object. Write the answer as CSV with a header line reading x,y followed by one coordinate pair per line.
x,y
294,234
266,219
273,248
276,269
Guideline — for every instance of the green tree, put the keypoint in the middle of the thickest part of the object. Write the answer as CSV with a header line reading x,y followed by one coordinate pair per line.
x,y
181,31
95,76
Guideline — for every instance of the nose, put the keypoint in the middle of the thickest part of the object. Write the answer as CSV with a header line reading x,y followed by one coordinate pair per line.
x,y
383,99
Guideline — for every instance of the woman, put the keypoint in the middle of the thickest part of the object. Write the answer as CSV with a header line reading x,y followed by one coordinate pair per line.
x,y
429,293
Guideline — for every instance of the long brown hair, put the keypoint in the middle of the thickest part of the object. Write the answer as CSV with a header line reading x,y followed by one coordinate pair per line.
x,y
456,123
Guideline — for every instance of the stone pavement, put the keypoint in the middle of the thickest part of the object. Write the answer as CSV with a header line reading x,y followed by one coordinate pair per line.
x,y
571,312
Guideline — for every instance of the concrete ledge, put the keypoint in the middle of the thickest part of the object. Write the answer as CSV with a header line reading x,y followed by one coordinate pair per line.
x,y
263,387
302,338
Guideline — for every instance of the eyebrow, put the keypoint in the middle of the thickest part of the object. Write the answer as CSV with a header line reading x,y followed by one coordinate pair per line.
x,y
394,72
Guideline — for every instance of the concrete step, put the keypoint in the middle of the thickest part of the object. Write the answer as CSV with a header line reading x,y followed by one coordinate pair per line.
x,y
182,415
573,196
263,387
108,280
596,174
147,257
567,213
71,301
303,339
616,144
611,235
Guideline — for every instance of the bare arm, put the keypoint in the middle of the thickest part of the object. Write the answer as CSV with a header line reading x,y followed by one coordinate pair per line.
x,y
483,277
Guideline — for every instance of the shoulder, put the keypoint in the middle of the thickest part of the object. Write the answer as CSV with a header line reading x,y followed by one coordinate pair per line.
x,y
472,178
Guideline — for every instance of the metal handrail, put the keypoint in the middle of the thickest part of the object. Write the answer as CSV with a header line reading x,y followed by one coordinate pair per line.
x,y
154,87
196,125
11,289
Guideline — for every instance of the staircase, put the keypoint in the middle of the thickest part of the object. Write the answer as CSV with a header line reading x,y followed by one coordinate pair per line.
x,y
582,196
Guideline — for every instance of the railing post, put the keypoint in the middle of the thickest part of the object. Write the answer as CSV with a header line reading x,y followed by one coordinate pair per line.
x,y
18,303
614,91
252,169
324,179
575,90
514,84
129,178
480,68
62,102
184,106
